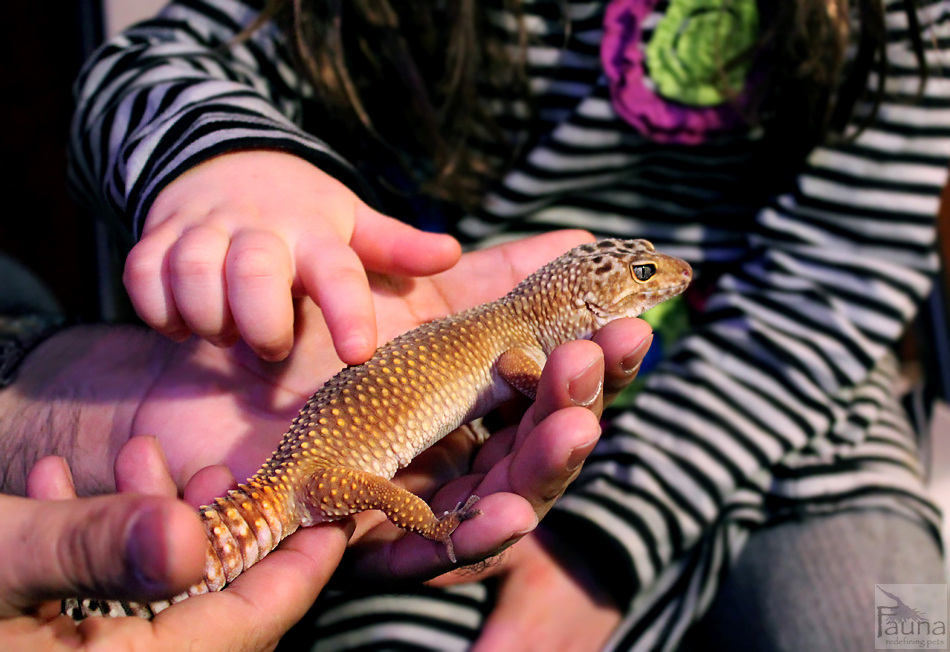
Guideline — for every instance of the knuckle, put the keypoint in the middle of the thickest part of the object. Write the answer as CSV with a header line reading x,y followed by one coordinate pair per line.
x,y
194,265
74,558
195,257
139,267
345,275
251,262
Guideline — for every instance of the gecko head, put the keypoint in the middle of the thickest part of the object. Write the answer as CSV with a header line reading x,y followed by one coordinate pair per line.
x,y
575,295
623,278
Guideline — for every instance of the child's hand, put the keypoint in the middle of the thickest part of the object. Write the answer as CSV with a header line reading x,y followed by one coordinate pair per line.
x,y
226,246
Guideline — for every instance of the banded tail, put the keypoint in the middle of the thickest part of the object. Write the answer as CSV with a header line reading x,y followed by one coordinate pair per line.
x,y
242,528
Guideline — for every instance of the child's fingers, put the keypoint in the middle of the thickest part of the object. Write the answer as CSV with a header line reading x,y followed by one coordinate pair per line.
x,y
332,274
196,265
258,277
388,246
148,282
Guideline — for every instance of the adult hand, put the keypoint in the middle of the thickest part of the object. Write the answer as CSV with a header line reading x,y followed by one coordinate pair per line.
x,y
576,614
142,547
520,471
211,406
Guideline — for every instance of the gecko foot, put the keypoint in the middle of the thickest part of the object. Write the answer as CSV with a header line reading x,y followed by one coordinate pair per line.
x,y
465,511
462,512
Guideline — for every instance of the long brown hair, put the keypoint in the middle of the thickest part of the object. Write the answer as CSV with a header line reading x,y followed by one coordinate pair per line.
x,y
420,95
417,97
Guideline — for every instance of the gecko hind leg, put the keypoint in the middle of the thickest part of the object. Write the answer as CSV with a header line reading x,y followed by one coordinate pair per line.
x,y
336,492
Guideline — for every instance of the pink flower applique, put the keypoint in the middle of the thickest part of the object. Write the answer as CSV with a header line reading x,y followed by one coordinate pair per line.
x,y
679,102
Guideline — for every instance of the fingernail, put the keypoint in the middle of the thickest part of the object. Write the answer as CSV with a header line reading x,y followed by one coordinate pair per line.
x,y
274,356
179,336
145,548
579,454
631,363
68,475
585,386
515,538
355,349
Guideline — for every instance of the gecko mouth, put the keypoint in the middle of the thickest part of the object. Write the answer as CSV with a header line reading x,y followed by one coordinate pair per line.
x,y
648,299
668,291
621,306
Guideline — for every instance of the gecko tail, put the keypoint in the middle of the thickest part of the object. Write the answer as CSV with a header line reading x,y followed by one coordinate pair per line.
x,y
82,608
242,528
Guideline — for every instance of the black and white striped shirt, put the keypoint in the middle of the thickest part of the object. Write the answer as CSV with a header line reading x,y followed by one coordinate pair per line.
x,y
780,399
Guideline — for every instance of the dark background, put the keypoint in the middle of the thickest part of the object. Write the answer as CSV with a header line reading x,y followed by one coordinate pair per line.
x,y
41,49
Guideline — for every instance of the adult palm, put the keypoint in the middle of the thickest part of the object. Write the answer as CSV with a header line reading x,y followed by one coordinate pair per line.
x,y
92,390
210,406
225,406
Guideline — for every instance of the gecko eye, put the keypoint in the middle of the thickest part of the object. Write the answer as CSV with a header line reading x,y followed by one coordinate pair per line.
x,y
643,272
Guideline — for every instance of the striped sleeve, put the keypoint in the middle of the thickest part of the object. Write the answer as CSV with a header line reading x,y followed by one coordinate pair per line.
x,y
832,273
176,90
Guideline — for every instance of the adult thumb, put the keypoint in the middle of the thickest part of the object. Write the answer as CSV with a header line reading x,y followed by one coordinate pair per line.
x,y
125,546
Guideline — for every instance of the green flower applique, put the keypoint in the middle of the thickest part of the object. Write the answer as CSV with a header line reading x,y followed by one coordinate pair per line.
x,y
692,47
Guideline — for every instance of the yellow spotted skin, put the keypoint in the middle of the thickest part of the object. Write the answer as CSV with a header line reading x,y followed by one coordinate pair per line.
x,y
368,421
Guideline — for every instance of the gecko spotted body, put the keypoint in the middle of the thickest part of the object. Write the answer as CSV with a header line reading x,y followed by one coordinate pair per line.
x,y
341,451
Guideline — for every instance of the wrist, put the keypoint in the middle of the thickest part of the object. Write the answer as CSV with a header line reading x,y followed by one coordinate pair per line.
x,y
76,395
599,559
581,568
